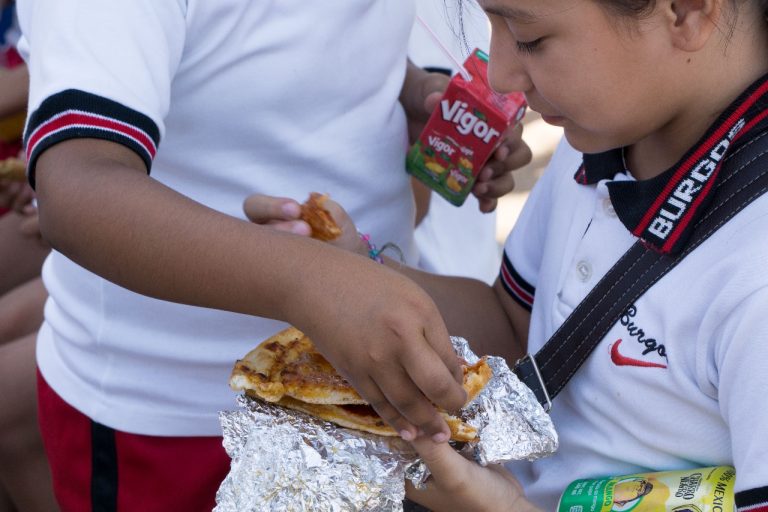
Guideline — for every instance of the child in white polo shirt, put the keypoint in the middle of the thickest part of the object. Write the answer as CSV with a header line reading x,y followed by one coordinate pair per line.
x,y
646,91
158,283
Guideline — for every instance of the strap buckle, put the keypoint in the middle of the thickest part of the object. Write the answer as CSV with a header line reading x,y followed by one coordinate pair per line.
x,y
538,387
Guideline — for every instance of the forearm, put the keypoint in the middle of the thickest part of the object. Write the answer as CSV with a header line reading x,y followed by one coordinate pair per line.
x,y
134,231
412,94
14,84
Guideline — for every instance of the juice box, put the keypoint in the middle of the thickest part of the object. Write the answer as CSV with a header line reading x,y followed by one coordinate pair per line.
x,y
463,131
697,490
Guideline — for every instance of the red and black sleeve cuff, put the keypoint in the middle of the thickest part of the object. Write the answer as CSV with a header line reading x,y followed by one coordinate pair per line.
x,y
74,114
752,500
517,287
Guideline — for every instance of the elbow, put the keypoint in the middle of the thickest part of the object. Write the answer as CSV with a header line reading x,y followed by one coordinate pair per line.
x,y
54,211
47,223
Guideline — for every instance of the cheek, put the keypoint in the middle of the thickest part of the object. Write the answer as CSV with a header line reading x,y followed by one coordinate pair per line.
x,y
562,88
586,90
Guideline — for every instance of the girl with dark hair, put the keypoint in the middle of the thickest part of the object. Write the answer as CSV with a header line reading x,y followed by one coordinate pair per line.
x,y
657,99
642,88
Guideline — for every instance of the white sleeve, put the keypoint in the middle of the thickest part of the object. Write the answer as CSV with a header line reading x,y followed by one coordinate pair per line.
x,y
100,69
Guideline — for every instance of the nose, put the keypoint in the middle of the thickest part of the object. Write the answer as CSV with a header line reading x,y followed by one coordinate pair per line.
x,y
505,70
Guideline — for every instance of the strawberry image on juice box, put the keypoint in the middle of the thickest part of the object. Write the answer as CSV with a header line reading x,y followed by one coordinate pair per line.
x,y
463,131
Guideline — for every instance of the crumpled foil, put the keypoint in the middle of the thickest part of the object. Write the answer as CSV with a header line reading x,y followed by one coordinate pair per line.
x,y
284,460
511,423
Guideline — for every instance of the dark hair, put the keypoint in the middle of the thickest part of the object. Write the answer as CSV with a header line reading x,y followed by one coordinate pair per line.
x,y
629,8
639,8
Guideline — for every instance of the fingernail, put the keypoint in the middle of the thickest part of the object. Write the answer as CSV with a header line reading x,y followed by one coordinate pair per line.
x,y
407,435
300,228
291,209
440,437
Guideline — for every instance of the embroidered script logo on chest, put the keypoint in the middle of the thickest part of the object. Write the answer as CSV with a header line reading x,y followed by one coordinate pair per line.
x,y
637,348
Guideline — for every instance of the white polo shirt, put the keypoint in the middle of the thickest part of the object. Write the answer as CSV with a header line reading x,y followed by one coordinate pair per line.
x,y
680,381
221,99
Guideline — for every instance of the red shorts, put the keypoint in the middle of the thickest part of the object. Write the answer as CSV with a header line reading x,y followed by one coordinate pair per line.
x,y
96,468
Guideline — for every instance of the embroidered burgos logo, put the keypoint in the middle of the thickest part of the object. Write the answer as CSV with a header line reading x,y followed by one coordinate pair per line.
x,y
639,350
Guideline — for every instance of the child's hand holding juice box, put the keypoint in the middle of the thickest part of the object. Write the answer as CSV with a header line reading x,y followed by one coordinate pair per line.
x,y
463,131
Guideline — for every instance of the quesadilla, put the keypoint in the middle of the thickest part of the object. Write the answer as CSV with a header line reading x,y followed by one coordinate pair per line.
x,y
287,370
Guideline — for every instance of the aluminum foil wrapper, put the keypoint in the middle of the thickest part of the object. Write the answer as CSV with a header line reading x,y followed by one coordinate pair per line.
x,y
284,460
511,423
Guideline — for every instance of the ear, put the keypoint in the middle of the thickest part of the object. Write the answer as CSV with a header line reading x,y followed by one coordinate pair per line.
x,y
692,22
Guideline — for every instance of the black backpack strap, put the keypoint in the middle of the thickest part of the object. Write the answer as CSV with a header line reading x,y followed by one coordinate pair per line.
x,y
742,180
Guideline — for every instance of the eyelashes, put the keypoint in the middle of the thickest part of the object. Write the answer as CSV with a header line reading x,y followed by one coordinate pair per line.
x,y
528,46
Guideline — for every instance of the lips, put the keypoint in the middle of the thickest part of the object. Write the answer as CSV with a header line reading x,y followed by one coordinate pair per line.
x,y
553,120
547,118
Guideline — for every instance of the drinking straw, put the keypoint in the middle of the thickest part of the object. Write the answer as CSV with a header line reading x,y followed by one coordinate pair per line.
x,y
459,65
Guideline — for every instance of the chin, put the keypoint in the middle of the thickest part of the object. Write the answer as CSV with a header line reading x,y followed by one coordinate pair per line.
x,y
589,142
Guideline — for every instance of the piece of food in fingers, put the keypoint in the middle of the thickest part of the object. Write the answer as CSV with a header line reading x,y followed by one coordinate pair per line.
x,y
319,219
13,169
286,369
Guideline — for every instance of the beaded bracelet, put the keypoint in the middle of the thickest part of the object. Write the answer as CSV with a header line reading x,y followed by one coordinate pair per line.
x,y
375,254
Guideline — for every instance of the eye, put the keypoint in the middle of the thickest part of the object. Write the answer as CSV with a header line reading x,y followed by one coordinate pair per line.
x,y
528,46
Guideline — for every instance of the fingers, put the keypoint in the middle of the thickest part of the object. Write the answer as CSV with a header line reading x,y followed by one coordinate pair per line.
x,y
513,150
261,208
349,239
493,182
496,179
405,389
487,205
406,408
512,153
432,90
386,410
441,376
445,464
459,484
446,488
431,364
431,101
431,375
280,213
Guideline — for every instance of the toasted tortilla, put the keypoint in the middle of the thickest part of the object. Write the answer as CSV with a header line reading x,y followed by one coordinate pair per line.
x,y
286,369
365,418
287,364
321,221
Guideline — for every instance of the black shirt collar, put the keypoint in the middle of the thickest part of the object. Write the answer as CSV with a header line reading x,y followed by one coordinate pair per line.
x,y
663,210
